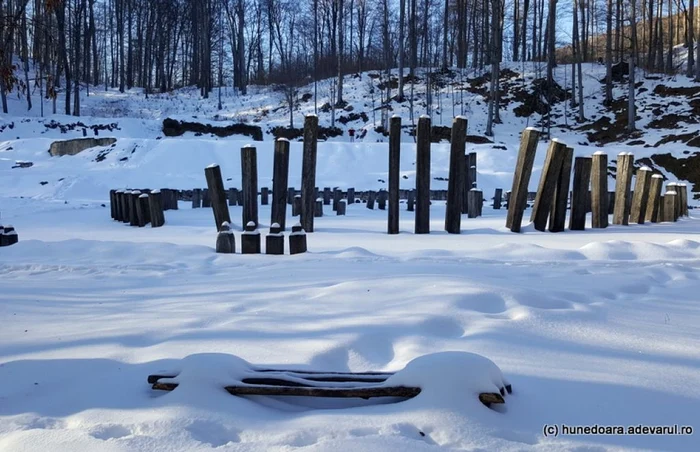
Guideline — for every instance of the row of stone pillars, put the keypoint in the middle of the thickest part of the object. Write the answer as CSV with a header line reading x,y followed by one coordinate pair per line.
x,y
141,207
251,240
643,204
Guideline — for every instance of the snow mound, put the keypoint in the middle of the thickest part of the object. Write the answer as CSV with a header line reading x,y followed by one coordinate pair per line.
x,y
622,250
451,379
209,369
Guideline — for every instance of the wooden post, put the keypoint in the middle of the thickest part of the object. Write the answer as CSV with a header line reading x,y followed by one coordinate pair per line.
x,y
280,176
611,202
455,182
249,184
118,197
473,203
206,198
642,185
623,184
670,206
166,198
133,208
381,199
291,193
411,200
174,197
308,173
651,212
250,239
394,178
125,203
350,195
557,219
225,240
264,196
167,195
155,206
422,220
497,199
326,196
122,211
297,240
232,196
342,204
197,198
548,184
517,201
599,190
337,196
472,167
143,211
683,192
673,187
217,194
467,182
9,235
274,241
318,211
113,203
582,177
370,199
296,206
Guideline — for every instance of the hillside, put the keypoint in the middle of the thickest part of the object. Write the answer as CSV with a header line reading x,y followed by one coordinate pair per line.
x,y
668,109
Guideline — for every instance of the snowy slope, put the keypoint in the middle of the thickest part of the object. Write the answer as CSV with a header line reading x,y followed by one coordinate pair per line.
x,y
143,157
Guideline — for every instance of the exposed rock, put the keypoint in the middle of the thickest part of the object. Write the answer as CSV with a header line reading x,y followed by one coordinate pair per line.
x,y
353,117
175,128
78,145
682,168
292,134
23,165
683,137
670,121
665,91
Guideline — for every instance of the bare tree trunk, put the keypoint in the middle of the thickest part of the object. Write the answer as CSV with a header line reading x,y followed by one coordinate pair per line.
x,y
608,54
413,38
633,54
240,54
25,61
60,12
341,32
551,42
523,29
671,37
577,60
495,66
445,26
402,20
691,36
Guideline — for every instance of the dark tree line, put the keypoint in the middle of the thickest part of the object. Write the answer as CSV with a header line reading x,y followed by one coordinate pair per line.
x,y
67,47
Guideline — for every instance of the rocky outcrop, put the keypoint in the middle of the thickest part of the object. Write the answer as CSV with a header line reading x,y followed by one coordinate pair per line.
x,y
78,145
174,128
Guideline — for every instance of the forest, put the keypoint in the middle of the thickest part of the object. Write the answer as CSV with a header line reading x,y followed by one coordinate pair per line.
x,y
66,47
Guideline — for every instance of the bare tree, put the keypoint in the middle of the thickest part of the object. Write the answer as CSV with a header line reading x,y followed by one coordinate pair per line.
x,y
608,53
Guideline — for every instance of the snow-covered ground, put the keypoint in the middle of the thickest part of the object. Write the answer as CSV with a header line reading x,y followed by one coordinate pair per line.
x,y
598,327
595,327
